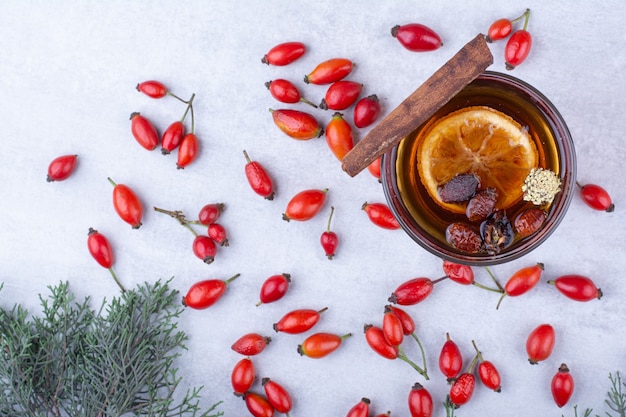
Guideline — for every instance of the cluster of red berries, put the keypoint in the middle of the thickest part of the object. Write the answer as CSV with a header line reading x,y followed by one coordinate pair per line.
x,y
519,43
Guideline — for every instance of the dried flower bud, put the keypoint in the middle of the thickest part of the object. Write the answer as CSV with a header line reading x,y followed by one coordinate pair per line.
x,y
540,186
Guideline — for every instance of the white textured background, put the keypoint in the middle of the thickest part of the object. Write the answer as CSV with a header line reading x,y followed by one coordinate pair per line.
x,y
68,72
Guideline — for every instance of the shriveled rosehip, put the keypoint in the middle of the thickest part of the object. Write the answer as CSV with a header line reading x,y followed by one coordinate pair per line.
x,y
209,213
329,239
298,321
462,389
416,37
540,343
319,345
204,248
297,124
529,221
381,215
339,136
284,53
127,204
366,111
360,409
460,188
61,168
258,405
577,287
450,359
274,288
305,205
463,237
144,131
412,291
203,294
242,376
277,395
217,232
420,401
482,205
172,137
251,344
341,95
152,88
562,386
187,151
459,273
596,197
329,71
496,232
392,327
286,92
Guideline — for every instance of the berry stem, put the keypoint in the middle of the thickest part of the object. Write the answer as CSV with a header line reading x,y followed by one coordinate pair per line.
x,y
520,17
229,280
169,93
178,215
478,352
419,344
484,287
526,18
111,181
493,277
332,210
189,106
402,356
117,281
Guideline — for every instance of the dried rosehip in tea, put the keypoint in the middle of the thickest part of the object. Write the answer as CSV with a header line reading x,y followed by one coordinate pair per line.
x,y
596,197
416,37
496,232
341,95
366,111
562,386
61,168
482,205
284,53
329,71
251,344
297,124
529,221
577,287
286,92
460,188
463,237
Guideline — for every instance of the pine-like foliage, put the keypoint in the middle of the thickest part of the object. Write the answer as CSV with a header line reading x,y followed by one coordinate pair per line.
x,y
75,361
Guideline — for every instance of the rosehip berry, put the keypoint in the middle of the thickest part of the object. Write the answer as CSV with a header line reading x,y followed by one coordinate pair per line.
x,y
204,294
258,178
360,409
61,168
242,376
210,213
298,321
499,29
366,111
462,389
412,291
392,327
188,151
416,37
101,250
341,95
461,274
217,232
517,48
329,71
562,386
144,131
374,168
172,137
251,344
204,248
286,92
329,239
596,197
319,345
381,215
522,281
274,288
151,88
450,359
258,405
540,343
375,338
297,124
305,205
339,136
277,395
127,204
420,401
284,53
577,287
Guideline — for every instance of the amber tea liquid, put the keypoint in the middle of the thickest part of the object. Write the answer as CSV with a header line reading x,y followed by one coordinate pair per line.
x,y
433,218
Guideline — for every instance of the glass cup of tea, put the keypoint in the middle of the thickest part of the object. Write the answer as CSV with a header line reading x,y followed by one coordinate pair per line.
x,y
488,177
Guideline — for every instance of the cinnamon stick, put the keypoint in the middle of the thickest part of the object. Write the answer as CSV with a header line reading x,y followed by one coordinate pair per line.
x,y
467,64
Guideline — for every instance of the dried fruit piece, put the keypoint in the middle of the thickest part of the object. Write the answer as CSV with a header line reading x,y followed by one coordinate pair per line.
x,y
497,232
529,221
482,205
463,237
460,188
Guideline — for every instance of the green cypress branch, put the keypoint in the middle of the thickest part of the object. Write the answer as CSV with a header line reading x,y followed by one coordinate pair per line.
x,y
73,360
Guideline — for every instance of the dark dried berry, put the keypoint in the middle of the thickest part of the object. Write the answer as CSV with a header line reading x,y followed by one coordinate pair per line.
x,y
482,205
497,232
460,188
463,237
529,221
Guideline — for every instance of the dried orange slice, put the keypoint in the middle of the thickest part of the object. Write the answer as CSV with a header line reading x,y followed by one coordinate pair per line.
x,y
476,140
